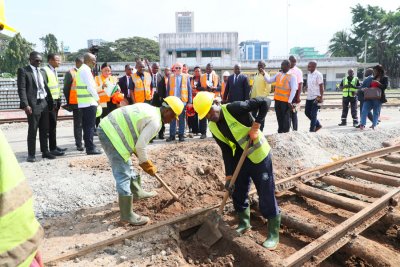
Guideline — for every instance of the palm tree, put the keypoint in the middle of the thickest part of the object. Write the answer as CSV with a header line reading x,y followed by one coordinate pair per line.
x,y
342,45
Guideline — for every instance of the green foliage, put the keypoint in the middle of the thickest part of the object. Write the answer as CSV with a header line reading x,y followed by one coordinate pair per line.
x,y
50,44
381,29
124,49
16,54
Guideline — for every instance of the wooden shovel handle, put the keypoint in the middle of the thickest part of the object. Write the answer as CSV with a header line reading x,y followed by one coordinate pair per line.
x,y
175,196
234,177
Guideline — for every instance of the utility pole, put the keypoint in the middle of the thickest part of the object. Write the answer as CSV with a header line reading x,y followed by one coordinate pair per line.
x,y
365,56
287,28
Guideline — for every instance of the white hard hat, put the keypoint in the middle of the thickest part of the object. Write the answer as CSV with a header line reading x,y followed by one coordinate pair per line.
x,y
226,73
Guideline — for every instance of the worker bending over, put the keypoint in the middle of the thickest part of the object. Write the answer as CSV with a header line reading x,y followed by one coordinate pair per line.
x,y
126,131
232,126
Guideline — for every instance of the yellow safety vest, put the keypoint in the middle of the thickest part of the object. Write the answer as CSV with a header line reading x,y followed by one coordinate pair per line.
x,y
84,96
20,232
257,152
52,83
349,91
184,88
120,126
142,90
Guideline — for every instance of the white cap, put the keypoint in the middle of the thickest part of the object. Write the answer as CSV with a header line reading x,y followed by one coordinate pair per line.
x,y
226,73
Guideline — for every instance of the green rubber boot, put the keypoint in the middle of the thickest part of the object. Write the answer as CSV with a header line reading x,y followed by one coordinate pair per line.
x,y
137,190
273,233
126,213
244,221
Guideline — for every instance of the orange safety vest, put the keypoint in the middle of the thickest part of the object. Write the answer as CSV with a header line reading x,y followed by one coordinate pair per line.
x,y
100,80
73,96
222,89
184,88
194,91
203,80
282,88
142,91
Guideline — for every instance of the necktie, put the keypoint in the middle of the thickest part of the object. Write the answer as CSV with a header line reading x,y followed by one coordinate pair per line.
x,y
235,79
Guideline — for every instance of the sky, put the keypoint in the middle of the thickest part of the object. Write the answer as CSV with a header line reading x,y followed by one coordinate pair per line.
x,y
284,23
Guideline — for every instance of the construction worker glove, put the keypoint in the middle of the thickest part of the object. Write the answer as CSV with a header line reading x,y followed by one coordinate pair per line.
x,y
148,167
229,188
253,133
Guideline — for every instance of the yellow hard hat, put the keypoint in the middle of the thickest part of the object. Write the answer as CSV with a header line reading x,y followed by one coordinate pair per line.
x,y
3,24
175,104
202,103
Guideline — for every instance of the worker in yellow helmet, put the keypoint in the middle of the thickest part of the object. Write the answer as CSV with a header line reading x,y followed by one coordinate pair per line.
x,y
232,126
126,131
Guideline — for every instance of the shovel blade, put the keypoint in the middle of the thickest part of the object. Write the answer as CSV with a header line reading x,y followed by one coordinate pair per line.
x,y
209,234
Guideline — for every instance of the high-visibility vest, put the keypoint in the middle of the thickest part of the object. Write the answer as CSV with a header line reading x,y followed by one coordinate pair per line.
x,y
73,97
100,80
257,152
194,91
120,126
184,88
142,90
84,96
20,232
52,83
223,85
282,87
349,91
203,80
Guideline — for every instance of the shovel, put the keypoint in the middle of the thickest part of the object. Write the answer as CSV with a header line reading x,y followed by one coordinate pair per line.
x,y
175,196
209,234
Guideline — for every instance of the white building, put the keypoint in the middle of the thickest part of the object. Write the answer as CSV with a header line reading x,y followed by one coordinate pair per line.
x,y
184,21
98,42
199,48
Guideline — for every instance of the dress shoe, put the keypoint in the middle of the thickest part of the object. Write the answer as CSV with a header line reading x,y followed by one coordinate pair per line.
x,y
61,149
181,138
171,138
31,159
203,136
94,152
56,152
48,155
318,128
79,148
342,124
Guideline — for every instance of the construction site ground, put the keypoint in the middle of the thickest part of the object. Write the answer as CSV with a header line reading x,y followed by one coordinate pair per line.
x,y
75,196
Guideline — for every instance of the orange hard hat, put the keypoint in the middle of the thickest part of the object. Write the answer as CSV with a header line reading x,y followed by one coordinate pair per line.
x,y
117,97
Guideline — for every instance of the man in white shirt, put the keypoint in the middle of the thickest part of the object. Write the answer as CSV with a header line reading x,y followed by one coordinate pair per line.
x,y
295,71
285,90
88,108
315,91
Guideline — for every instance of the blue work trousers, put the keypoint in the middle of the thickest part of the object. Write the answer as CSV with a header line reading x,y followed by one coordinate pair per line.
x,y
122,170
311,111
172,126
263,179
375,105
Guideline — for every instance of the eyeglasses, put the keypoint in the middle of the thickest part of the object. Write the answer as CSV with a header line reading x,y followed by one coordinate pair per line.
x,y
178,68
37,60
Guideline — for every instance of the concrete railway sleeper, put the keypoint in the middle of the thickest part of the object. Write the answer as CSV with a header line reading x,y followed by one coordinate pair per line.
x,y
343,234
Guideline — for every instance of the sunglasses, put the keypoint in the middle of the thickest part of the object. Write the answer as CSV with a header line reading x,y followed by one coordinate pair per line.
x,y
37,60
178,68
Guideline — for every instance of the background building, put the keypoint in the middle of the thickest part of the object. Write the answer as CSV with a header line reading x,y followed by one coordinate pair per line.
x,y
254,50
98,42
306,52
184,21
199,48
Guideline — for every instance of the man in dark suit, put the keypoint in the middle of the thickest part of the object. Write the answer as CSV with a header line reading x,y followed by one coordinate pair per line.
x,y
126,83
36,101
237,87
159,88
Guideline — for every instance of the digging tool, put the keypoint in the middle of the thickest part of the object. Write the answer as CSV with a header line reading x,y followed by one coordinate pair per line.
x,y
175,196
209,234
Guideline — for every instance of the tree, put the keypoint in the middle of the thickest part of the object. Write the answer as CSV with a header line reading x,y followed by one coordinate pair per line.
x,y
16,54
50,44
381,30
343,45
135,48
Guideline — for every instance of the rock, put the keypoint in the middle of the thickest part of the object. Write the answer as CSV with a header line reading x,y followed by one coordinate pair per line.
x,y
110,251
200,171
123,258
196,262
209,260
163,253
71,228
76,260
169,252
127,242
153,257
78,246
229,264
164,258
189,260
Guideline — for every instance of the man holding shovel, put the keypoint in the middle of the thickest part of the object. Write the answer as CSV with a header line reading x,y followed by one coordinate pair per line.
x,y
126,131
232,126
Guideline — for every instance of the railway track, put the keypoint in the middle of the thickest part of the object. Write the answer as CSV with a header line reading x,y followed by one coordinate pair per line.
x,y
358,192
69,117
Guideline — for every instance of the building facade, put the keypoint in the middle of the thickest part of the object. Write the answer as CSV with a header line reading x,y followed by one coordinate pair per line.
x,y
306,52
254,50
199,48
98,42
184,21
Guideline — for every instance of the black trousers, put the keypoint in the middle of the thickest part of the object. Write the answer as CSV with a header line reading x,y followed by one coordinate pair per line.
x,y
77,114
193,123
161,132
353,103
53,116
89,123
39,119
282,111
294,120
203,126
